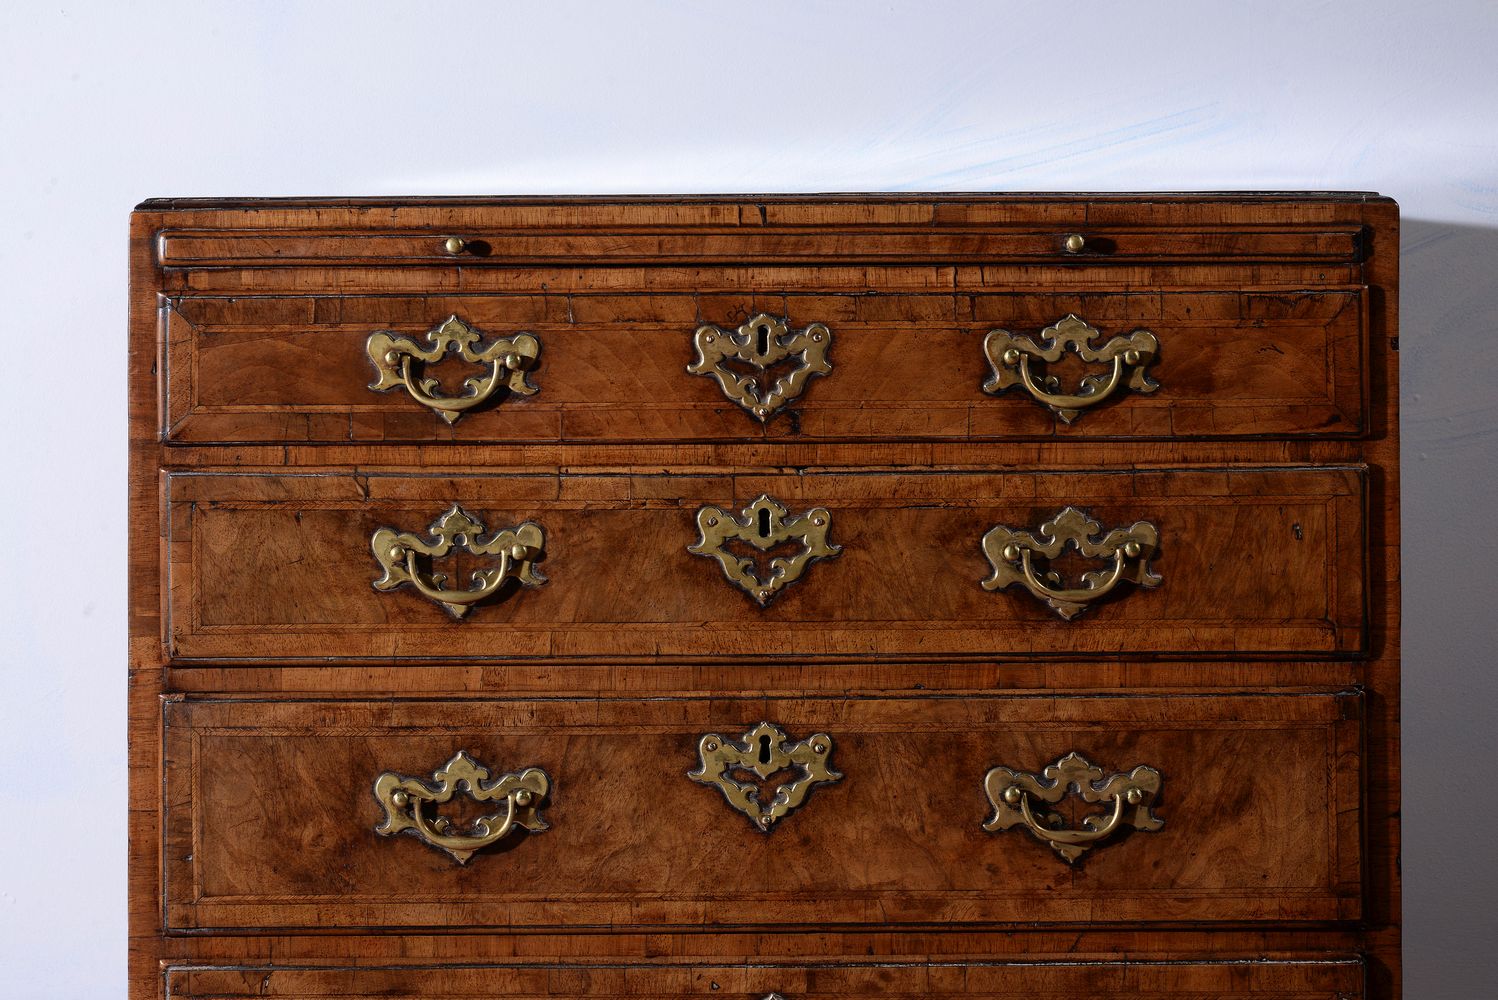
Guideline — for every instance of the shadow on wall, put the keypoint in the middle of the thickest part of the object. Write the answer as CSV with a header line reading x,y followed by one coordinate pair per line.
x,y
1449,400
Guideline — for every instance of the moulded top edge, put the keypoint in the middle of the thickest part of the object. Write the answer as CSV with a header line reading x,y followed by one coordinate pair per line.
x,y
170,203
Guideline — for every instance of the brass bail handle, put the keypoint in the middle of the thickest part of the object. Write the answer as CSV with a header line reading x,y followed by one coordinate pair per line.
x,y
400,361
404,800
399,552
1012,358
1011,553
1015,795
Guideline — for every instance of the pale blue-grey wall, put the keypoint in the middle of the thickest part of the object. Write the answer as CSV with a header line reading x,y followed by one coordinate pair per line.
x,y
104,103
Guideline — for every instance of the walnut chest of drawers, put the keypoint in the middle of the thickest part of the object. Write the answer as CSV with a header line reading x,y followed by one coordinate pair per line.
x,y
844,596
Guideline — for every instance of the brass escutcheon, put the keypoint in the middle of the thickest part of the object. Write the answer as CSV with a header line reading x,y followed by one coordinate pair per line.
x,y
765,750
402,799
399,554
765,524
760,343
1011,356
1011,552
399,361
1012,794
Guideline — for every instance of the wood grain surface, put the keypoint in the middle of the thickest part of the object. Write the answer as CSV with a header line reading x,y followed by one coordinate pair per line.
x,y
269,681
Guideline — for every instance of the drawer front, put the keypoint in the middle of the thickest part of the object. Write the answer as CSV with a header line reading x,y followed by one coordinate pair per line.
x,y
1245,808
628,566
1319,978
613,367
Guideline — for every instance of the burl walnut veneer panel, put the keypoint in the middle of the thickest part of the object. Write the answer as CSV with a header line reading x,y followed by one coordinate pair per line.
x,y
612,367
1260,805
280,566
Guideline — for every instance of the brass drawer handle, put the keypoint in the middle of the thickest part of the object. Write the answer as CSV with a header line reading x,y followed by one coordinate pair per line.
x,y
403,800
1011,793
400,554
1011,552
765,524
765,750
760,343
1011,355
400,361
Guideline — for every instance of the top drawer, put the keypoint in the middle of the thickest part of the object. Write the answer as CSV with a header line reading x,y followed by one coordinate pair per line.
x,y
810,354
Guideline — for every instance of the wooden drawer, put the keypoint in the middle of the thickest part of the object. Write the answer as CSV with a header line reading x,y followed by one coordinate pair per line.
x,y
281,565
611,366
270,821
1319,978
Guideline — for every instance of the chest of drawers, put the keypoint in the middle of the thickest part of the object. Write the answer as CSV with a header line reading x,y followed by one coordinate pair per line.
x,y
981,596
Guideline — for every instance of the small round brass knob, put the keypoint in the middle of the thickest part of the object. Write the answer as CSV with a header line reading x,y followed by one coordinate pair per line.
x,y
1012,795
1132,549
454,245
1074,243
523,797
1133,796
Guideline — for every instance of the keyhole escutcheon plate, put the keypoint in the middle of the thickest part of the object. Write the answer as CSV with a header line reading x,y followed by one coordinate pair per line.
x,y
764,751
764,524
761,343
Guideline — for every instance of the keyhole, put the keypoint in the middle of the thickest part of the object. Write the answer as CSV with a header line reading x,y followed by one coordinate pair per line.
x,y
764,523
764,340
764,749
